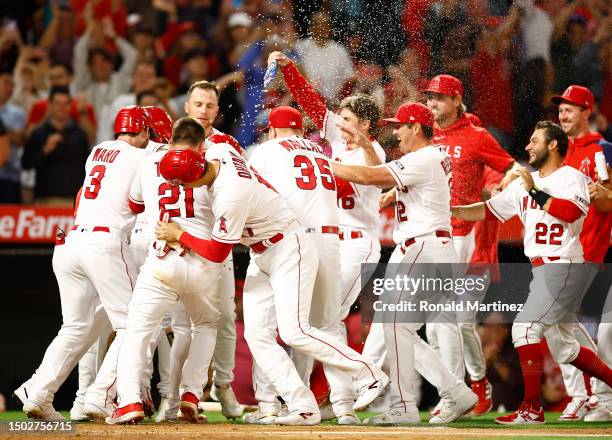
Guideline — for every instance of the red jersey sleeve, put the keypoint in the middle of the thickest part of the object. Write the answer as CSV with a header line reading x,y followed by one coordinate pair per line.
x,y
493,154
212,250
308,98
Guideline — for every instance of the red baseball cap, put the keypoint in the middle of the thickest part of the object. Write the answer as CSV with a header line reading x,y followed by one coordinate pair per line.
x,y
446,85
411,113
577,95
284,117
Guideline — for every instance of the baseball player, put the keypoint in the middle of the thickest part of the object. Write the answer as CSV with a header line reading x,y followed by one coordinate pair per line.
x,y
170,274
575,107
358,210
470,149
279,281
551,203
422,233
93,264
203,105
301,174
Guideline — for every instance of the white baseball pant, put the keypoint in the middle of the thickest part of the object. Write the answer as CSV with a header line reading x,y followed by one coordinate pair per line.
x,y
160,284
401,338
278,294
91,266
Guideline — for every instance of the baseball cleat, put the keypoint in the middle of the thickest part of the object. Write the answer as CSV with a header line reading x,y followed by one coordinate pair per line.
x,y
457,401
39,412
434,412
327,412
128,414
349,418
97,412
259,418
224,394
368,392
394,416
304,417
77,413
21,394
189,408
525,415
599,413
575,410
161,410
482,389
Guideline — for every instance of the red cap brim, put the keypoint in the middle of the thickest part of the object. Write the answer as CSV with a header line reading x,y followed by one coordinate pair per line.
x,y
558,99
392,120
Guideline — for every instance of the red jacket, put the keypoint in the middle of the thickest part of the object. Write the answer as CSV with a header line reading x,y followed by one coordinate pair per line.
x,y
595,235
470,149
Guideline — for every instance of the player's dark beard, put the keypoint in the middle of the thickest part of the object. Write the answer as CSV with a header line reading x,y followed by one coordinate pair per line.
x,y
540,159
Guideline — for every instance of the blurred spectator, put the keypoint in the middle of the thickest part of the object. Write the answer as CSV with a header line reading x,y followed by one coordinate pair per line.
x,y
592,59
441,18
94,73
368,80
569,36
405,81
29,76
82,112
57,150
148,98
536,31
503,367
326,63
241,35
10,45
491,77
195,68
143,39
13,120
60,35
10,191
144,78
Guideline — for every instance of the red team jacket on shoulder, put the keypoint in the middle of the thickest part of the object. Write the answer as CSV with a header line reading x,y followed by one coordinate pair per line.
x,y
595,235
470,149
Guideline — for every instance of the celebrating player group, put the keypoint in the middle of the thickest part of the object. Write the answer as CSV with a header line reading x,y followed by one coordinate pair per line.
x,y
164,202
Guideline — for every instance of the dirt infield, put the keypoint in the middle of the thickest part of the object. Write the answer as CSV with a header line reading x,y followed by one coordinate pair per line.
x,y
236,431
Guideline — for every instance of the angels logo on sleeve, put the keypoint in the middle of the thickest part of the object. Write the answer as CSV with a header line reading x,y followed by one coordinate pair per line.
x,y
222,226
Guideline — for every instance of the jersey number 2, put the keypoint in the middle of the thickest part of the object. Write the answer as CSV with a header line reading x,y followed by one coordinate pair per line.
x,y
308,181
554,233
93,187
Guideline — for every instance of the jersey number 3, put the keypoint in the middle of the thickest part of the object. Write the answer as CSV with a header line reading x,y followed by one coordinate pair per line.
x,y
308,180
95,182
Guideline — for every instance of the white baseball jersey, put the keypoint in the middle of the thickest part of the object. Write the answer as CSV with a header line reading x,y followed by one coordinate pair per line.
x,y
299,171
545,235
141,219
358,211
190,208
422,179
245,209
109,171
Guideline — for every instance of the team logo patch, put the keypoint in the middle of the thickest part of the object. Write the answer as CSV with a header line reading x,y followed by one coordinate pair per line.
x,y
398,164
222,225
581,200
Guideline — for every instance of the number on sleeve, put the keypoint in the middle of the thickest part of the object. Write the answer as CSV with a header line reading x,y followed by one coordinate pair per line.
x,y
347,202
401,212
95,183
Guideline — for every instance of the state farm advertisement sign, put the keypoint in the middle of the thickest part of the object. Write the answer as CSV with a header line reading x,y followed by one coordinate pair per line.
x,y
33,224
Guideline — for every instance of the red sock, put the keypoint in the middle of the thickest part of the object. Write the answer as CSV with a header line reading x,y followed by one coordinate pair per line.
x,y
587,384
590,363
532,367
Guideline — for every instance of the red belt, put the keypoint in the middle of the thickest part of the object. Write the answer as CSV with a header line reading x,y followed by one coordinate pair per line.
x,y
261,246
412,241
329,229
95,228
353,235
539,261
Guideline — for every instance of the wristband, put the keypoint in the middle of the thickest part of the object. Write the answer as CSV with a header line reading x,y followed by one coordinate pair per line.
x,y
539,196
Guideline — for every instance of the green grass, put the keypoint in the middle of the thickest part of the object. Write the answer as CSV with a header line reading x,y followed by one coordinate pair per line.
x,y
486,421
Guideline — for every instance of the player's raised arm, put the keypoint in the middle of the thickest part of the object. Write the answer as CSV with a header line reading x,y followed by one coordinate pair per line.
x,y
471,213
313,104
379,175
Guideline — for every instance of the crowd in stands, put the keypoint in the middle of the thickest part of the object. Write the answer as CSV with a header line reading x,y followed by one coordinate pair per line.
x,y
67,66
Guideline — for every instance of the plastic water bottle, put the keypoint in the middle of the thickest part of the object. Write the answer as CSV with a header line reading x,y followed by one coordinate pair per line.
x,y
270,74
